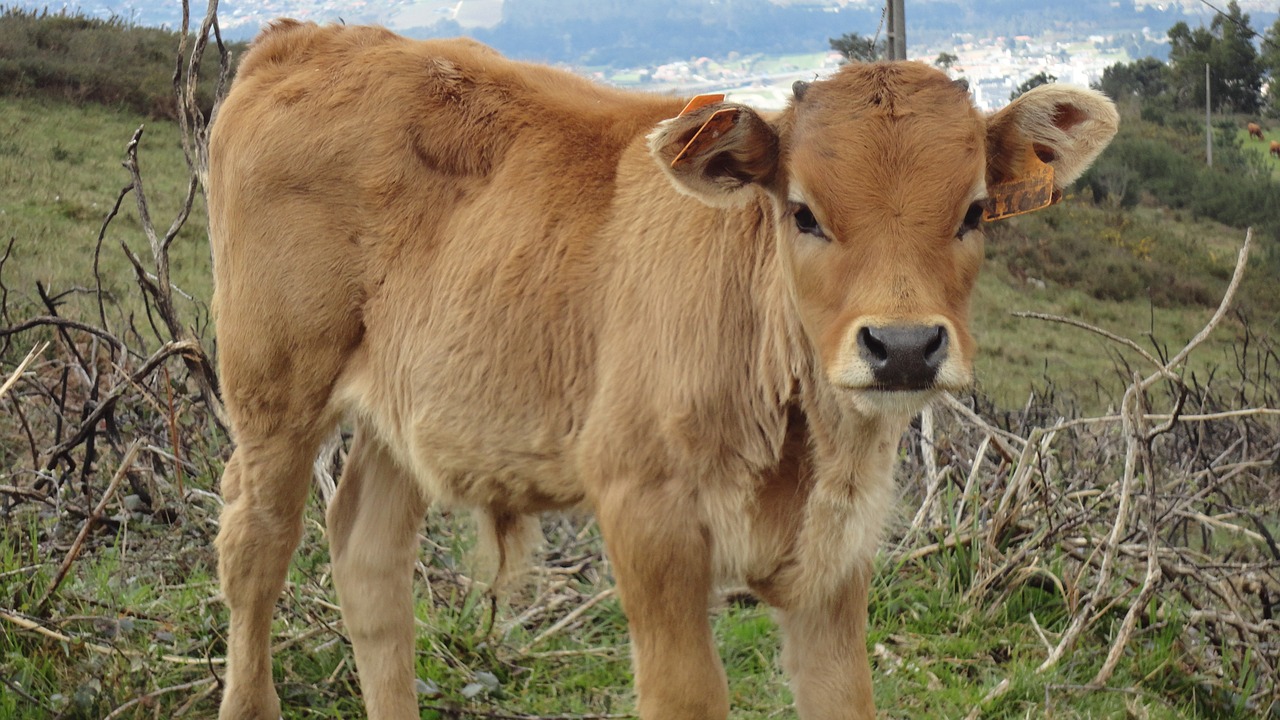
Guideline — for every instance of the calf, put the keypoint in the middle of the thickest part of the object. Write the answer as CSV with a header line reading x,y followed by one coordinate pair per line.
x,y
1255,131
528,292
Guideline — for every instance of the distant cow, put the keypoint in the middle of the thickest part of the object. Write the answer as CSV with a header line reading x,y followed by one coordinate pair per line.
x,y
1275,148
1255,131
528,292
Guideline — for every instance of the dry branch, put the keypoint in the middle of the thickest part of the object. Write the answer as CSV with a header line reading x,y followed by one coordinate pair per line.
x,y
568,619
107,403
151,696
30,625
159,291
996,692
89,523
22,367
1093,329
454,711
61,322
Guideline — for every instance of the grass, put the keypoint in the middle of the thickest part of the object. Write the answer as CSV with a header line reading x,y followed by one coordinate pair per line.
x,y
935,652
60,173
1262,149
1149,274
1020,356
143,596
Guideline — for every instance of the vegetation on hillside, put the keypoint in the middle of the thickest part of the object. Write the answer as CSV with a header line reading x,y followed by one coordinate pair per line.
x,y
70,56
1155,171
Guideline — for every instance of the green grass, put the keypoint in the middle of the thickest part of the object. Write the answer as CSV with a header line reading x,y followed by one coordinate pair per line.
x,y
1019,356
60,174
1149,274
1262,149
935,653
953,651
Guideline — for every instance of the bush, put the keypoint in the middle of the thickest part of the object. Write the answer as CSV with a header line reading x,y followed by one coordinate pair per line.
x,y
70,56
1165,160
1113,277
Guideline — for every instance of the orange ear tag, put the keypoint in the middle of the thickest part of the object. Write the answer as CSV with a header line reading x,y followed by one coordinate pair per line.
x,y
1032,191
720,122
701,101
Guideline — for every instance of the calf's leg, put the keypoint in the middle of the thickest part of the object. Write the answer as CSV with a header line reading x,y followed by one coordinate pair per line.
x,y
265,486
278,370
824,650
373,527
662,560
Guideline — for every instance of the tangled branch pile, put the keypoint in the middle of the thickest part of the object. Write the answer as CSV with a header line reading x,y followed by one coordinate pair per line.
x,y
1162,513
130,398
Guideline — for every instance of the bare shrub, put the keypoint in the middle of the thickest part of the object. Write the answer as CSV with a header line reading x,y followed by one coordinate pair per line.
x,y
1159,514
135,400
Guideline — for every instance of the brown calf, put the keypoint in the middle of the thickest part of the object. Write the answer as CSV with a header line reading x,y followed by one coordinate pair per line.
x,y
1255,131
528,292
1275,148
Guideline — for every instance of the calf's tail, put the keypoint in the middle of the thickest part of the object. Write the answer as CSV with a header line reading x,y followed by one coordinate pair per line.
x,y
505,543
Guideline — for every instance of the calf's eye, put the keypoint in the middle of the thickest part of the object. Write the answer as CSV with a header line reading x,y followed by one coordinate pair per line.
x,y
807,223
972,218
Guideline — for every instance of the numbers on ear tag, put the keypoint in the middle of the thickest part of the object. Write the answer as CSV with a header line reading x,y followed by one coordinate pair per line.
x,y
1032,191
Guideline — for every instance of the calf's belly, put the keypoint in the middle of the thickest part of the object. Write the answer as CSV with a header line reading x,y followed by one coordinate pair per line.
x,y
467,442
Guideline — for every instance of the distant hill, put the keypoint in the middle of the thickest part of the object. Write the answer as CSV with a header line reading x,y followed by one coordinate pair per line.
x,y
626,32
83,59
641,32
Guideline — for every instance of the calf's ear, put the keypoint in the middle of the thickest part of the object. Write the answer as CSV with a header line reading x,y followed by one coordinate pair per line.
x,y
715,152
1062,125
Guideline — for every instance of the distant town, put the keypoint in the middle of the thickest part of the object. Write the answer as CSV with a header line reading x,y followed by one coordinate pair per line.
x,y
994,67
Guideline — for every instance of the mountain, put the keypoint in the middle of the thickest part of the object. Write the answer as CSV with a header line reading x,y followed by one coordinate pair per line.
x,y
638,32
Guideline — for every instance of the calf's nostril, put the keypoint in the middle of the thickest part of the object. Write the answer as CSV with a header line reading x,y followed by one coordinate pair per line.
x,y
935,353
873,348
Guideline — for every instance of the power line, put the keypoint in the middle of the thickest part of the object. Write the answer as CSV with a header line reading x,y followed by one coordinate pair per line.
x,y
1250,31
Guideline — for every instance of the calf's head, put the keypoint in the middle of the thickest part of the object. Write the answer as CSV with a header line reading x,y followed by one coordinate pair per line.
x,y
880,178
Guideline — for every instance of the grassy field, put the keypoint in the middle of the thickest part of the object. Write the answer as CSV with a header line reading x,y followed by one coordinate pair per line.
x,y
60,174
1262,148
135,630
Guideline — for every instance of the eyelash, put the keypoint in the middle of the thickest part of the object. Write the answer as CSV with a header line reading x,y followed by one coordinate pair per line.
x,y
972,219
807,223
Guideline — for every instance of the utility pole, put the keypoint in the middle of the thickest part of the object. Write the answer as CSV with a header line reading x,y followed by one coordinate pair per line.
x,y
897,39
1208,127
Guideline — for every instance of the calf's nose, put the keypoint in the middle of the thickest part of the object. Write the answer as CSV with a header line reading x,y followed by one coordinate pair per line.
x,y
904,357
